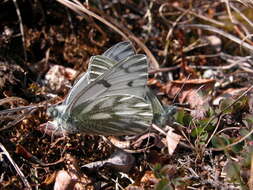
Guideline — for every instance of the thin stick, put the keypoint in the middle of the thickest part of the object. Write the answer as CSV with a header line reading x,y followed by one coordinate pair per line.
x,y
222,33
80,9
234,143
20,27
214,132
21,175
222,111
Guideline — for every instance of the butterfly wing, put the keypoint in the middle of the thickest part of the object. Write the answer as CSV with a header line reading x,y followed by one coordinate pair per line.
x,y
112,56
120,51
77,88
99,66
127,77
113,115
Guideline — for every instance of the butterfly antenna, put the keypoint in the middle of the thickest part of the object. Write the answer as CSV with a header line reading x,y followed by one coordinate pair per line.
x,y
44,133
52,136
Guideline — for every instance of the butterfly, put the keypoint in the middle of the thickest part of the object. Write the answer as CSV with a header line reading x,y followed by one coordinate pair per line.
x,y
112,97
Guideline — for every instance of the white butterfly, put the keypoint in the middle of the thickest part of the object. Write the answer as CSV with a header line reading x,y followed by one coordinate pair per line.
x,y
111,98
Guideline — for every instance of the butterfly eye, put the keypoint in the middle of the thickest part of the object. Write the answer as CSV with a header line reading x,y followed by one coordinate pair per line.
x,y
53,112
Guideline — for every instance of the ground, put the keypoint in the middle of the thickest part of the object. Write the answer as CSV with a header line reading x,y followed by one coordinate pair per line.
x,y
200,55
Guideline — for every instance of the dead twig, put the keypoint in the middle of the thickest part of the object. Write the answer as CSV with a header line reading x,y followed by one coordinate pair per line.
x,y
165,69
19,172
242,15
221,112
222,33
80,9
234,143
235,62
213,21
12,100
19,118
214,131
169,34
27,155
20,27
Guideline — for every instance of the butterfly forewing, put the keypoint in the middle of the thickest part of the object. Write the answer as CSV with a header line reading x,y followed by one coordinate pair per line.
x,y
113,55
127,77
113,115
100,65
120,51
77,88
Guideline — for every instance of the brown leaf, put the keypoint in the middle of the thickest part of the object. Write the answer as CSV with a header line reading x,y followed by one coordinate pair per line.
x,y
172,140
231,92
50,179
149,178
120,160
189,91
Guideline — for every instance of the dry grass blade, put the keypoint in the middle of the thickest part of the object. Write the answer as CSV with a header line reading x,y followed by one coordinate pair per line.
x,y
21,108
80,9
221,32
221,112
198,15
246,2
15,114
242,15
21,27
22,176
234,143
12,100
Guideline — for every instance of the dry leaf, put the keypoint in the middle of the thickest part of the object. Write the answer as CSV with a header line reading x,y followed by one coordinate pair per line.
x,y
189,91
120,160
172,140
231,92
50,179
149,179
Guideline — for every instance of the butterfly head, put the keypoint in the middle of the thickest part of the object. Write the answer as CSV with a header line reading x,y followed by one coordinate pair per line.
x,y
56,111
168,113
61,120
165,116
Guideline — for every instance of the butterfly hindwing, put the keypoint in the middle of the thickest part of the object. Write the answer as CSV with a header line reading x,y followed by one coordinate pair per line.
x,y
120,51
117,115
100,65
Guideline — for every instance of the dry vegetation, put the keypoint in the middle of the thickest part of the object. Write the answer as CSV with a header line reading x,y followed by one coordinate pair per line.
x,y
200,60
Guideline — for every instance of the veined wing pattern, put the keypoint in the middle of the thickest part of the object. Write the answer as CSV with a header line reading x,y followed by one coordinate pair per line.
x,y
113,103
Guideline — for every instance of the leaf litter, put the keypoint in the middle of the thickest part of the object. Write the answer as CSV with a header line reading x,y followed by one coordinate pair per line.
x,y
200,61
